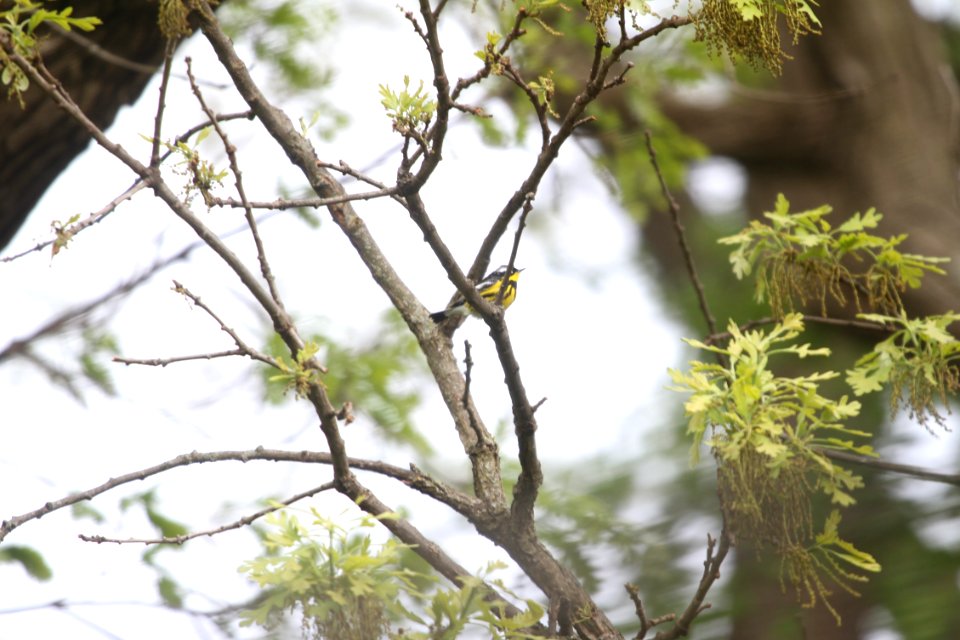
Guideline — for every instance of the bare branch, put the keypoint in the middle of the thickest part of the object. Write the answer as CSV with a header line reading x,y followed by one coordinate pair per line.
x,y
645,623
541,109
242,347
66,234
919,473
716,553
162,362
242,522
682,238
412,477
527,208
620,78
297,203
231,150
468,363
834,322
161,103
568,123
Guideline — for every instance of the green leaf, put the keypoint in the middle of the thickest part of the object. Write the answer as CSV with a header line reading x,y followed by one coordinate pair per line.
x,y
170,593
864,379
82,510
28,558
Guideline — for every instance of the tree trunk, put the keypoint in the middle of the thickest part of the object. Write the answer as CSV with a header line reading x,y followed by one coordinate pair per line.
x,y
102,70
867,114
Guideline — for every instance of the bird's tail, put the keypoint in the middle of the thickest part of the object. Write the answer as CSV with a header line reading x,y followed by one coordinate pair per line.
x,y
439,316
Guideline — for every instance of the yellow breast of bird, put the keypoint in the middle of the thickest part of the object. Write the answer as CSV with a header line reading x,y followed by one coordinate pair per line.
x,y
490,293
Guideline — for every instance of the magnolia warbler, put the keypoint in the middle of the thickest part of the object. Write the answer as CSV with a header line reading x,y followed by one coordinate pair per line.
x,y
489,289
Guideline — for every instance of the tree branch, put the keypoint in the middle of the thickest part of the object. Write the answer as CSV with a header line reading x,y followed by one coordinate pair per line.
x,y
570,121
716,553
231,150
413,477
242,522
919,473
682,238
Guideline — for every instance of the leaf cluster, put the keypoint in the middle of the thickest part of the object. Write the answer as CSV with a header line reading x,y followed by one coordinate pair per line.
x,y
350,588
343,587
297,374
829,557
768,434
799,257
21,22
409,110
203,176
919,361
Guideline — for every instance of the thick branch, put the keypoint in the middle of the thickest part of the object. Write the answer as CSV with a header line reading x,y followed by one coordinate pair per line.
x,y
413,477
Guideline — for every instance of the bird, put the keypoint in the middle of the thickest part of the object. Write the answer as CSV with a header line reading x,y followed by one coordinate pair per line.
x,y
489,289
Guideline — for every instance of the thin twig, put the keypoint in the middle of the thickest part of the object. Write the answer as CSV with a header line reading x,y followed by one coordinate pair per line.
x,y
109,57
540,108
645,623
236,524
162,362
79,226
65,318
137,186
161,103
345,169
813,319
527,208
716,553
242,347
413,477
568,124
231,150
468,371
297,203
919,473
494,54
682,238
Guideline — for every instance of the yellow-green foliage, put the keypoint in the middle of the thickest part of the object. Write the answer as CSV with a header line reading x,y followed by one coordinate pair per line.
x,y
768,434
20,22
799,258
748,28
298,374
919,361
408,110
346,587
342,586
